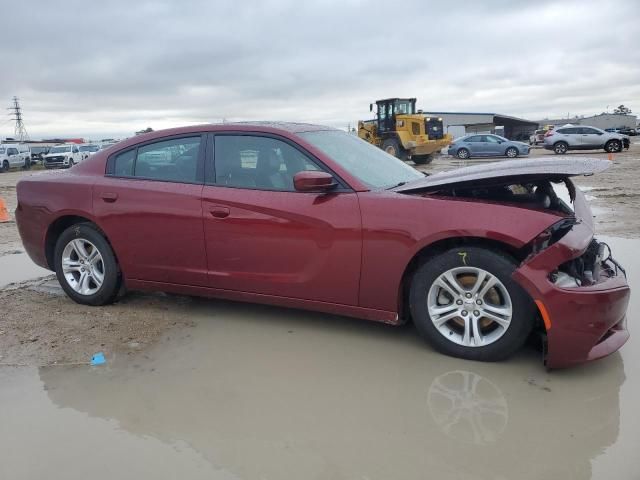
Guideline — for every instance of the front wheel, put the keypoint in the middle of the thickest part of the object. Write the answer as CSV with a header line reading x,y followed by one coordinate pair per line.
x,y
86,266
465,303
613,146
512,152
5,166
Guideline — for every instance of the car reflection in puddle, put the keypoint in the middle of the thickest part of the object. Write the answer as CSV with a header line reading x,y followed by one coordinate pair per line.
x,y
467,407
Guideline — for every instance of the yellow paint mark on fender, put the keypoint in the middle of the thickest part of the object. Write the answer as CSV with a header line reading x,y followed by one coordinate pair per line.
x,y
464,257
545,315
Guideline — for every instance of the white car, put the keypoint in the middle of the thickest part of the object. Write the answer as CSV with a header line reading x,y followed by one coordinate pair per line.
x,y
62,156
88,149
14,155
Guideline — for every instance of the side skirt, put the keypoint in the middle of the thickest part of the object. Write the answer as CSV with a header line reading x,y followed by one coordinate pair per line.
x,y
382,316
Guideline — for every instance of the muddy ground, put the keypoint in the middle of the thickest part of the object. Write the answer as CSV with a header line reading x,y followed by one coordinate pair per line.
x,y
40,326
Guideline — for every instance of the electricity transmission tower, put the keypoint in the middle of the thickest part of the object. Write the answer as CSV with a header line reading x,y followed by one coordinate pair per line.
x,y
20,132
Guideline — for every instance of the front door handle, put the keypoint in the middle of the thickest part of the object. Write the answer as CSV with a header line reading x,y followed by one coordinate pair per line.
x,y
219,212
109,197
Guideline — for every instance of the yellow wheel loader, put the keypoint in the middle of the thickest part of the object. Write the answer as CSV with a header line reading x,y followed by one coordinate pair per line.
x,y
402,132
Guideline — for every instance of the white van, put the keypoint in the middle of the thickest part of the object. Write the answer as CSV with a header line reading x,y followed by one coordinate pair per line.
x,y
14,155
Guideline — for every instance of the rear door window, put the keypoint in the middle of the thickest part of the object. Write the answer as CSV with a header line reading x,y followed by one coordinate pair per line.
x,y
174,160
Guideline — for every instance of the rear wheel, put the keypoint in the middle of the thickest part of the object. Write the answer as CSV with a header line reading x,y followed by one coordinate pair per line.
x,y
512,152
613,146
463,153
421,159
561,148
465,303
86,266
392,147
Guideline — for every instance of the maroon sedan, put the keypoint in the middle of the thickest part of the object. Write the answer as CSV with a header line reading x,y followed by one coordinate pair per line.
x,y
311,217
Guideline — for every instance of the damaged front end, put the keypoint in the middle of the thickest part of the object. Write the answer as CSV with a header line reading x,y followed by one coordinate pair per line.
x,y
580,290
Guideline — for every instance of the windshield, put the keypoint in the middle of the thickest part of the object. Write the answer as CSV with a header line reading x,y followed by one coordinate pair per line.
x,y
361,159
63,149
89,148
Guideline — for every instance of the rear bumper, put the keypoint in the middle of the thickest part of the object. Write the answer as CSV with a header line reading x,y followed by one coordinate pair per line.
x,y
32,234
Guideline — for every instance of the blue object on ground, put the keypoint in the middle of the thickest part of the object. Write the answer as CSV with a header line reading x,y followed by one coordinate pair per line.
x,y
98,359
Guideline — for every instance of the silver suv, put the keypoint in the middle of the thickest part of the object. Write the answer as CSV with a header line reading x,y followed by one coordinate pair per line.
x,y
580,137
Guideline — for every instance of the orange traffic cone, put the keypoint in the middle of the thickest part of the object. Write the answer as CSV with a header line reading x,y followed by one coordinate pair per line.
x,y
4,213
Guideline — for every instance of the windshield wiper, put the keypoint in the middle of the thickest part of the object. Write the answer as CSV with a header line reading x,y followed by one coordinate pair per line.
x,y
399,184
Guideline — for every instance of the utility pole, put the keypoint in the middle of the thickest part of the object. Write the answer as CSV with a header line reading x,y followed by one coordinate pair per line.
x,y
20,132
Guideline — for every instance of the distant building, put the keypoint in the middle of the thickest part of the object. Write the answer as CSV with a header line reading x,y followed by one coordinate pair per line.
x,y
461,123
603,121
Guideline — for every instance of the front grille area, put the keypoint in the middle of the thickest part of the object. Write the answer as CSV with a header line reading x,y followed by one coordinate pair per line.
x,y
58,159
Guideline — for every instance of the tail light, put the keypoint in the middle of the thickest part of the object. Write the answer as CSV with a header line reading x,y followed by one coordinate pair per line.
x,y
549,133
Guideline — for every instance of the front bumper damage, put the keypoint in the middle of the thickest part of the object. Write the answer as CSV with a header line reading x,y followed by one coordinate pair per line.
x,y
584,322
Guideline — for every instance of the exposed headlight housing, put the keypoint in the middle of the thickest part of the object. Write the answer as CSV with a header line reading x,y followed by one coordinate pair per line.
x,y
400,123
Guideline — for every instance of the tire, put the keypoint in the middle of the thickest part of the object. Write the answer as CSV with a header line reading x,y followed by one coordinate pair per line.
x,y
511,152
392,147
5,166
422,159
560,148
463,153
71,164
613,146
89,237
497,340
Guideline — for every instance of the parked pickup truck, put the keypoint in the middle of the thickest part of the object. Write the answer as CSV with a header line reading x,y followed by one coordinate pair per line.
x,y
62,156
13,155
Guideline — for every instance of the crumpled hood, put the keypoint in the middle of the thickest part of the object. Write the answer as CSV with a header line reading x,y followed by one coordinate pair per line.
x,y
505,172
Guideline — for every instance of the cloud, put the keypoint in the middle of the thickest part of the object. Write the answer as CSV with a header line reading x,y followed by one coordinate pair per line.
x,y
83,68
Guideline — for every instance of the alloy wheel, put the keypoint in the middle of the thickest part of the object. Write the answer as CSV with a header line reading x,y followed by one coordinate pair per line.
x,y
469,306
613,146
83,266
561,148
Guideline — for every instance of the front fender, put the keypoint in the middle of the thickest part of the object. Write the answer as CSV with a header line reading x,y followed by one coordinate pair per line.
x,y
398,227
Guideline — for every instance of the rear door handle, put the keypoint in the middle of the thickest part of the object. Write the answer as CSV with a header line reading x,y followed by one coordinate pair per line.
x,y
109,197
219,212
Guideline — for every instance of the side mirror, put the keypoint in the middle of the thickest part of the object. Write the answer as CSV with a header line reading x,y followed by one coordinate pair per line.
x,y
371,107
313,181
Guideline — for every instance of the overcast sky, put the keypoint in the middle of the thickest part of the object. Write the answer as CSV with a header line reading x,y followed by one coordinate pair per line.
x,y
107,69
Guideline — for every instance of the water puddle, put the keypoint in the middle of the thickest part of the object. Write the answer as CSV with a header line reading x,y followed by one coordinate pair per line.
x,y
253,392
19,268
